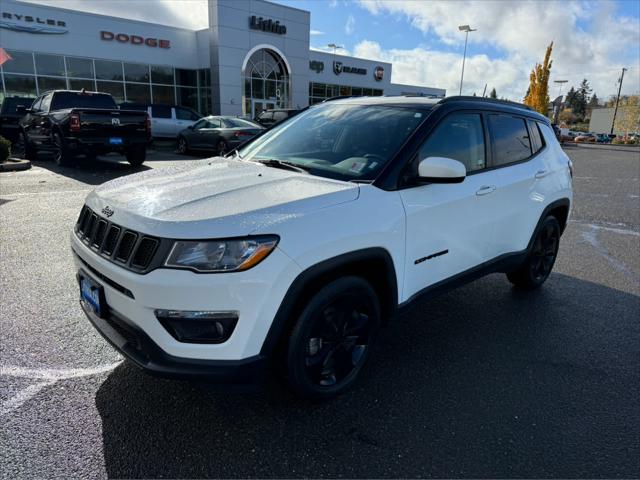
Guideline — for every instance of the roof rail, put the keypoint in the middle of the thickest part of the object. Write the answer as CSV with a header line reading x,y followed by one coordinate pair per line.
x,y
469,98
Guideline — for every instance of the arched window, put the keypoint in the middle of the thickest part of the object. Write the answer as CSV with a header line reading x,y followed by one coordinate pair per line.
x,y
266,82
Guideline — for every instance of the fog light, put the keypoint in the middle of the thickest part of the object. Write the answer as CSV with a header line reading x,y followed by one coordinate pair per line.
x,y
198,326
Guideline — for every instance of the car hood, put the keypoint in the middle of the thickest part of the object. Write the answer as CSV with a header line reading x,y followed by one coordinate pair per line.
x,y
218,197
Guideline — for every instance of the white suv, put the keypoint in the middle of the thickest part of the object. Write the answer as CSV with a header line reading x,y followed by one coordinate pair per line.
x,y
291,252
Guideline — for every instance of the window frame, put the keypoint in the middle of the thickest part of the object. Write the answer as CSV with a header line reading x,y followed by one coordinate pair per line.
x,y
407,181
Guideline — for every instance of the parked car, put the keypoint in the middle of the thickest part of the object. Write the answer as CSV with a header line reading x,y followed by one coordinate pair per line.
x,y
217,134
167,121
585,138
289,255
603,138
269,118
69,123
9,116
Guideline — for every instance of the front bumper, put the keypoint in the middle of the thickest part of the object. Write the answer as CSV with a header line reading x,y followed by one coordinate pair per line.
x,y
135,345
133,298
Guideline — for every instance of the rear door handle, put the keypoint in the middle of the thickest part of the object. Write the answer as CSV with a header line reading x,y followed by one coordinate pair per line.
x,y
542,173
486,189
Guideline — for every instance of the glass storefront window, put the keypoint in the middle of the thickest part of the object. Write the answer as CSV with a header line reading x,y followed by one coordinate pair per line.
x,y
79,67
257,88
21,62
134,72
115,89
160,74
20,85
319,90
51,83
138,93
270,89
79,84
186,77
50,65
188,97
108,70
163,94
356,91
345,91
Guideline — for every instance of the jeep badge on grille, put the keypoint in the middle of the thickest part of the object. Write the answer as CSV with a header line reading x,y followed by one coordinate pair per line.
x,y
107,211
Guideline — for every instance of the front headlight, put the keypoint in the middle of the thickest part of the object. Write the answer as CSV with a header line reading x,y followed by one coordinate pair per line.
x,y
232,255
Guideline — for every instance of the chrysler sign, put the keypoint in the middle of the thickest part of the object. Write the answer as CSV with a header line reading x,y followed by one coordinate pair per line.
x,y
29,24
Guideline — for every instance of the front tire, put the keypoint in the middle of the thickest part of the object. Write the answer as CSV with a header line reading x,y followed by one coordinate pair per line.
x,y
25,148
539,263
136,156
221,147
332,338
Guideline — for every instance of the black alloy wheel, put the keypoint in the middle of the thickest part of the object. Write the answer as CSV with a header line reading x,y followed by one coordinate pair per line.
x,y
60,151
18,147
542,257
221,147
183,147
333,337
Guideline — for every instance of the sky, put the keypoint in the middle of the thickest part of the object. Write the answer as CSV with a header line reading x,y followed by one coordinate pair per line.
x,y
592,39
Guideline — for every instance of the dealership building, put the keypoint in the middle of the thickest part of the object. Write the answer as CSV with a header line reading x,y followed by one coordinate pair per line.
x,y
254,55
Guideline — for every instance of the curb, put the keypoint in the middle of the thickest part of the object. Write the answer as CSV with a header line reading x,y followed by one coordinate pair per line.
x,y
15,165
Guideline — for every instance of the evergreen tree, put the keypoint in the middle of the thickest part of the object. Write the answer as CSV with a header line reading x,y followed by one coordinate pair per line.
x,y
582,99
493,93
570,98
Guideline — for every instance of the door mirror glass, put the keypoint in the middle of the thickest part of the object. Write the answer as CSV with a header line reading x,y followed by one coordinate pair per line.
x,y
441,170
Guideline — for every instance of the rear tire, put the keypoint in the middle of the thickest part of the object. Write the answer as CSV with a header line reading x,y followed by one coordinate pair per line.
x,y
61,154
540,260
183,146
332,338
136,156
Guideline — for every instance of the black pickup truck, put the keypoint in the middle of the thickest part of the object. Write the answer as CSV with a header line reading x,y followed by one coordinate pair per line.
x,y
10,118
69,123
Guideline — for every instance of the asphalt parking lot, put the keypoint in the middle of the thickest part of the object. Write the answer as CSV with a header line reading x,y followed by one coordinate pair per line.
x,y
484,381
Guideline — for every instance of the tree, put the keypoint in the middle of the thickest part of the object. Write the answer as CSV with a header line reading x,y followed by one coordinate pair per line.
x,y
595,101
493,93
570,99
538,96
582,99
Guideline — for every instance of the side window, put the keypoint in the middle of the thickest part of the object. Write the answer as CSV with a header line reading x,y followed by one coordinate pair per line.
x,y
200,124
215,123
535,136
160,111
46,101
266,115
459,136
35,106
510,139
185,114
278,116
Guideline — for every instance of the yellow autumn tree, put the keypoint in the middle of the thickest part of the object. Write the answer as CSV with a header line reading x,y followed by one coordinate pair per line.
x,y
538,93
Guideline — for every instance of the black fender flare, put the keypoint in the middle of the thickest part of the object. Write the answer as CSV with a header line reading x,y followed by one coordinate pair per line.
x,y
287,310
563,202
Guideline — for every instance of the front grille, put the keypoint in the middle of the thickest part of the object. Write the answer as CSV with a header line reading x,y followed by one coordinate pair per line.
x,y
126,247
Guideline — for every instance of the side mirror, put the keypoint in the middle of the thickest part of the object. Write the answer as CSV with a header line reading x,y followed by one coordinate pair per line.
x,y
441,170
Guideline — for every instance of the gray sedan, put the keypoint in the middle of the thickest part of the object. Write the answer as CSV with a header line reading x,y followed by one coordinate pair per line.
x,y
217,134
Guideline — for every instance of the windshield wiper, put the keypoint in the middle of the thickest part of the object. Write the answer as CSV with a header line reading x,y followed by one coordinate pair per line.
x,y
284,165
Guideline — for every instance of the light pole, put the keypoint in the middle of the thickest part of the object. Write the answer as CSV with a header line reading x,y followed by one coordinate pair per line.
x,y
560,83
466,29
335,47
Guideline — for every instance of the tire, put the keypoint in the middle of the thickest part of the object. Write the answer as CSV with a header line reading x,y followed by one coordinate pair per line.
x,y
321,359
540,260
136,156
61,154
25,148
183,146
221,147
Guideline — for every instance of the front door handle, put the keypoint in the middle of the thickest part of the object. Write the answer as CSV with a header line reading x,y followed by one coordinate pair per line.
x,y
486,189
542,173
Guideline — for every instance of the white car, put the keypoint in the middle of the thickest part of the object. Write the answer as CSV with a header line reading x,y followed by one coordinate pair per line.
x,y
290,253
166,121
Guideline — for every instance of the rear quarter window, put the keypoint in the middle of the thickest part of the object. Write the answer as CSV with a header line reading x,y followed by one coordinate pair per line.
x,y
509,138
160,111
535,136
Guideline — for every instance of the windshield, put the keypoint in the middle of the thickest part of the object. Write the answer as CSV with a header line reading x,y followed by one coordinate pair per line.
x,y
347,142
240,122
62,100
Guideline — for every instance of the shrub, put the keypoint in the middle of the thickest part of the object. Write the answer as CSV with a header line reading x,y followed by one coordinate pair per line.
x,y
5,149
